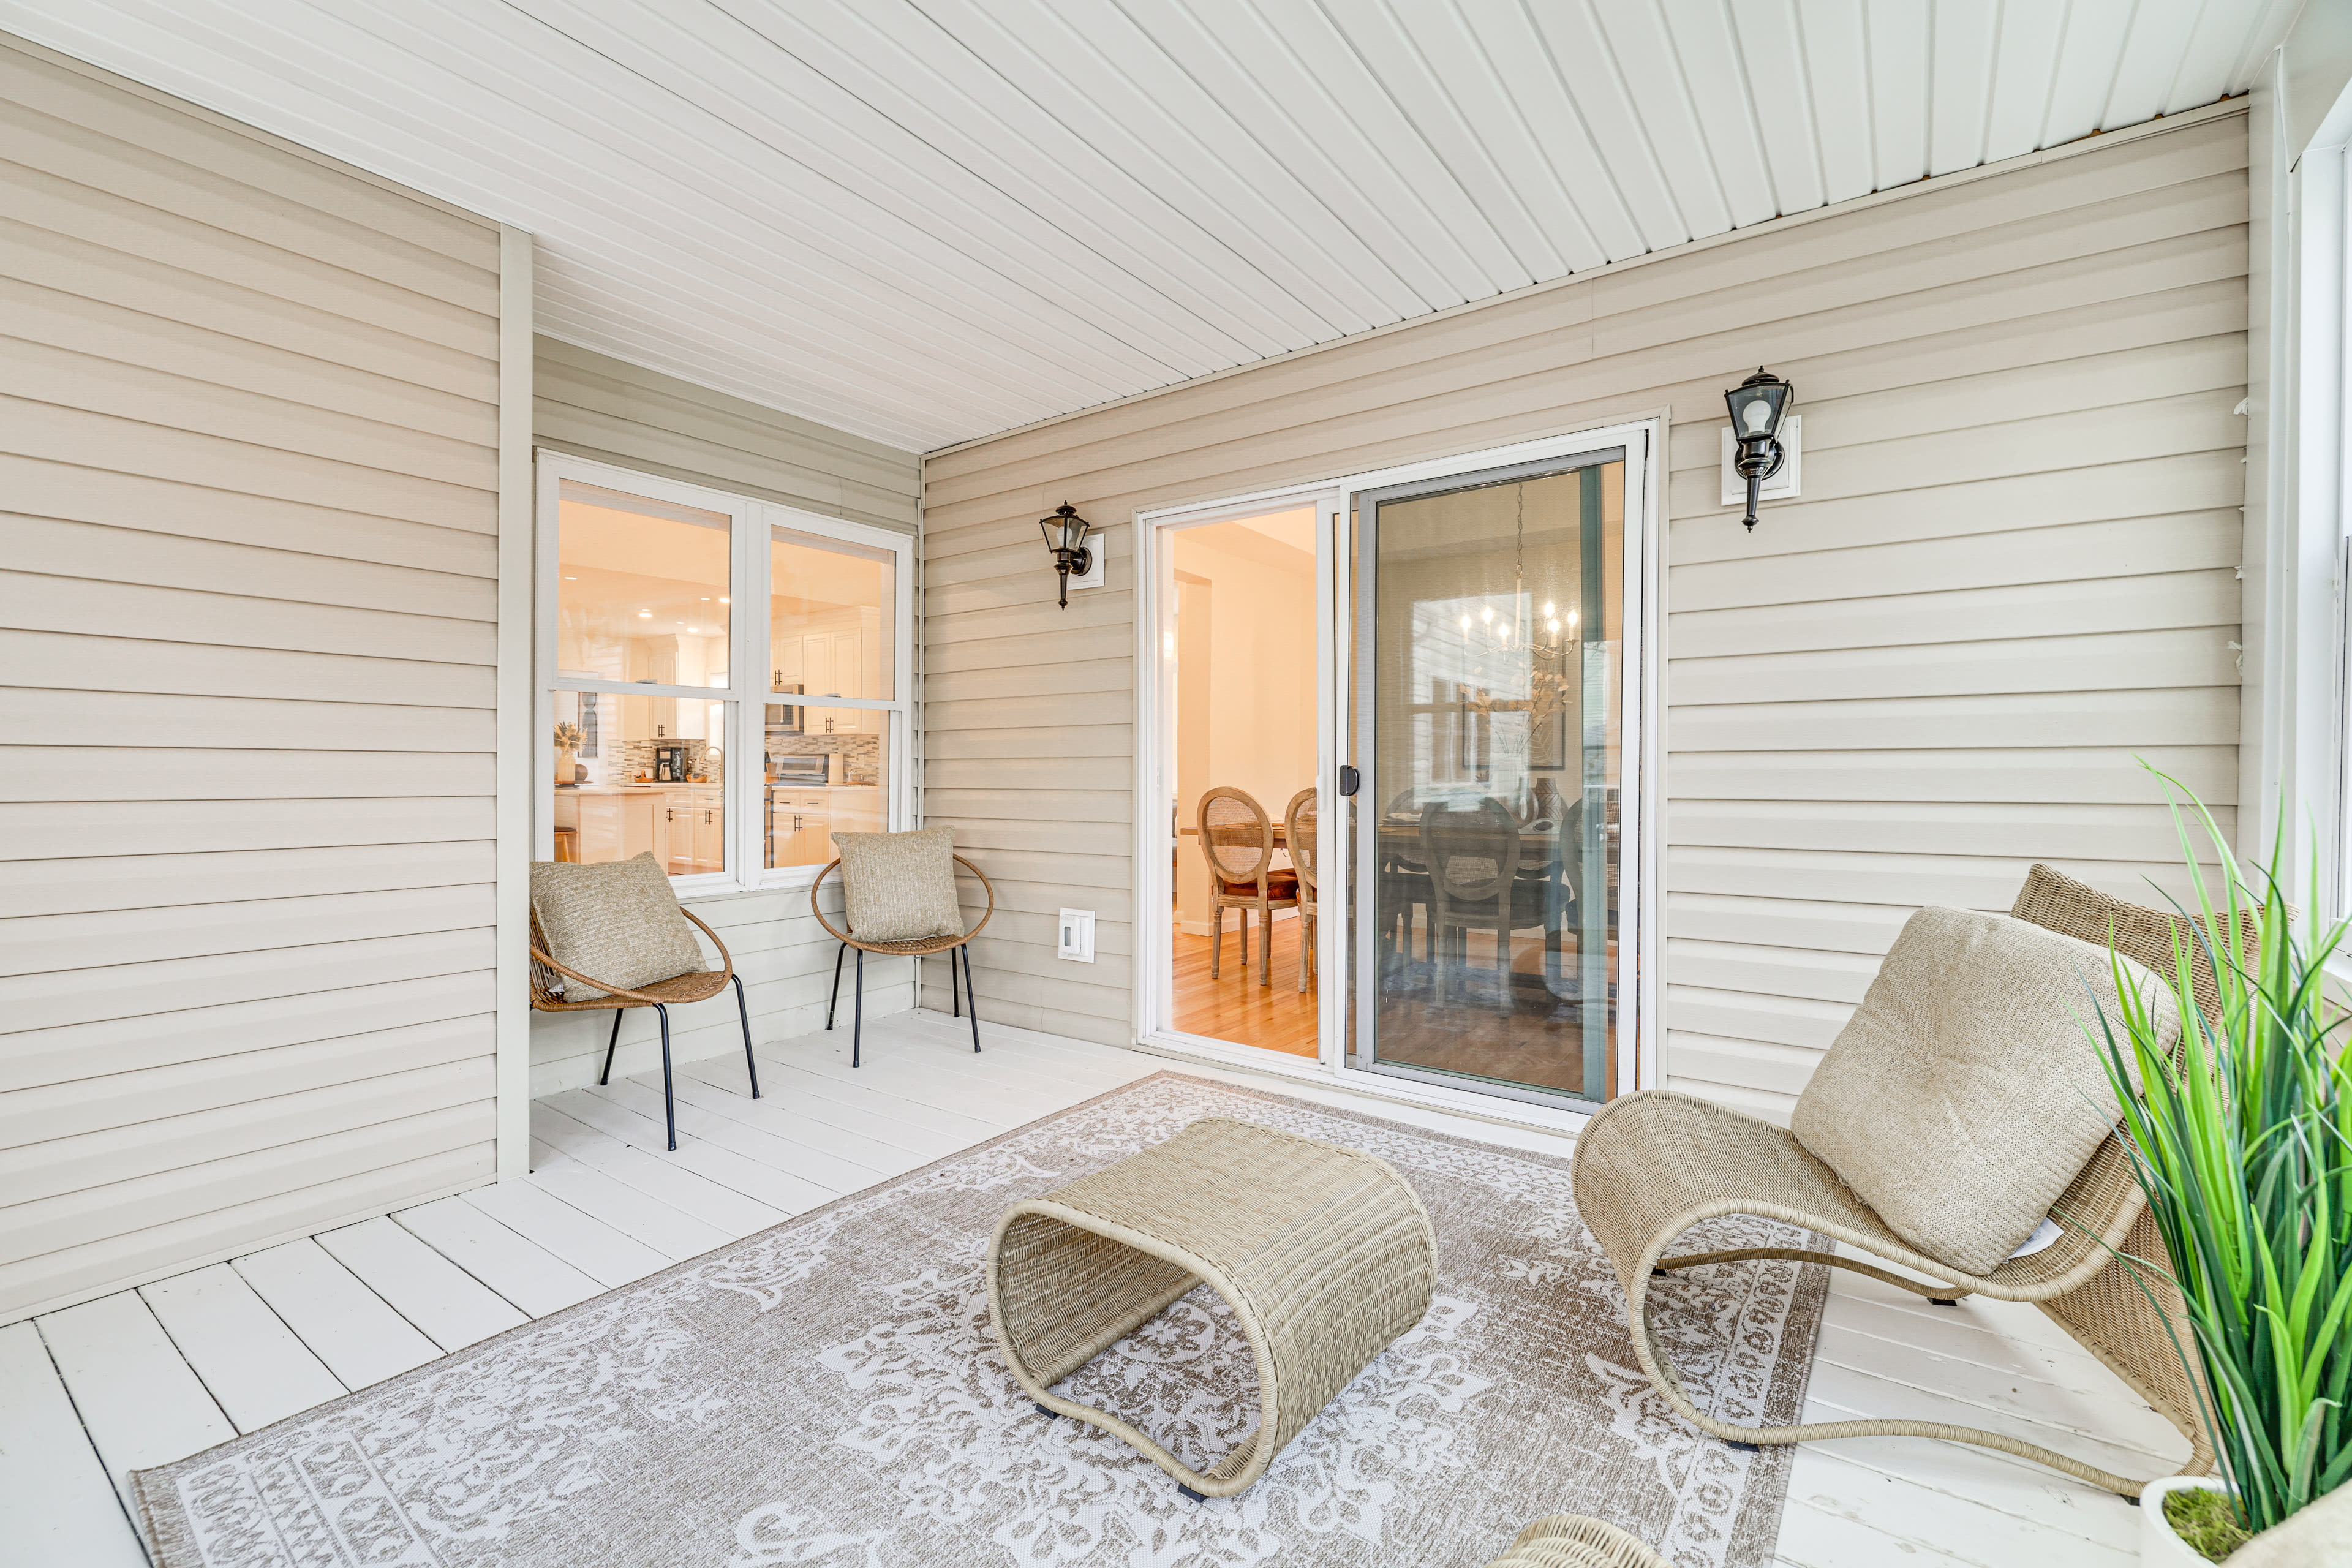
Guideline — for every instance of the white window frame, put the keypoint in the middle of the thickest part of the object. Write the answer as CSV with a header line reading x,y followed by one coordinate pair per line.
x,y
747,696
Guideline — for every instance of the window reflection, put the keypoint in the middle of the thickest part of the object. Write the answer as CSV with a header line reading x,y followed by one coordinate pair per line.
x,y
831,610
642,593
828,772
642,773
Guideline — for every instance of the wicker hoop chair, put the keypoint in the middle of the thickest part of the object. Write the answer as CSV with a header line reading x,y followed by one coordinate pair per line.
x,y
1299,827
1237,841
547,978
1574,1541
917,949
1654,1163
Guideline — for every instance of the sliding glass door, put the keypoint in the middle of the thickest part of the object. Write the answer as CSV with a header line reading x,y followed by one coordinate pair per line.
x,y
1490,725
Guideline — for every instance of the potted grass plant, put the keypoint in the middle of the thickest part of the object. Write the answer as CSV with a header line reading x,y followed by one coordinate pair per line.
x,y
2242,1139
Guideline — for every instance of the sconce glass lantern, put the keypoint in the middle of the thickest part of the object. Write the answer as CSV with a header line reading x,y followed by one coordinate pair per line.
x,y
1066,535
1757,406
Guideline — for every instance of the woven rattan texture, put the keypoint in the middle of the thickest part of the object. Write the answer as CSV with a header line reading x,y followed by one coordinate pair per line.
x,y
915,947
1325,1255
1573,1540
614,919
1236,835
2111,1313
548,980
1299,835
1653,1164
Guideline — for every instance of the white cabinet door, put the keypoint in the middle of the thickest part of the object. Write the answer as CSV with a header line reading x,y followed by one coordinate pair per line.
x,y
816,665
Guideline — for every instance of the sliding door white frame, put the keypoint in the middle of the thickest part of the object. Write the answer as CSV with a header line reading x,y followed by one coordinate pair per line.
x,y
1642,771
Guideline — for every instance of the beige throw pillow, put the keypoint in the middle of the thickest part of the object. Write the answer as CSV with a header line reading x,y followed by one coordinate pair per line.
x,y
1963,1096
615,920
899,887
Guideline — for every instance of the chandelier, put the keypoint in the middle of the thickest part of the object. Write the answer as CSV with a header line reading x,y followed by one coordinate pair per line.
x,y
1543,633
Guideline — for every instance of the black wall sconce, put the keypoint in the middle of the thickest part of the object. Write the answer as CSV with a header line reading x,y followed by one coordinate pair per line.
x,y
1757,406
1066,535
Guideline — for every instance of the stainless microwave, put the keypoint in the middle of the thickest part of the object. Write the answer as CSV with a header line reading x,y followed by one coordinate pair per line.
x,y
807,770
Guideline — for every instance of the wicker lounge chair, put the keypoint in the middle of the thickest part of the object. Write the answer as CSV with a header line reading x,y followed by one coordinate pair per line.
x,y
1654,1163
1573,1540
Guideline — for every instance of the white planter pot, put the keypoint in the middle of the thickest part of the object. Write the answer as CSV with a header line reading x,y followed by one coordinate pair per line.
x,y
2159,1546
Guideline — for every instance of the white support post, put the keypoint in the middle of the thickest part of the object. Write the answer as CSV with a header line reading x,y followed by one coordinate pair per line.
x,y
516,707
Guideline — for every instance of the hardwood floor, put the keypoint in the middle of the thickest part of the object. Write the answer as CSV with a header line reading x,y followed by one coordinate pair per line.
x,y
151,1375
1234,1006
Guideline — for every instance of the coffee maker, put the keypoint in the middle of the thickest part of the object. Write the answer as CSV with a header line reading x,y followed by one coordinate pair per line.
x,y
669,764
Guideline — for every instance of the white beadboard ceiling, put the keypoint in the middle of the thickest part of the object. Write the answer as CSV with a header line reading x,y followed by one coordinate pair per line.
x,y
922,221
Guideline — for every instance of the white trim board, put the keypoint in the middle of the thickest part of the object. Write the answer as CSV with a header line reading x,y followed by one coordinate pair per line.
x,y
516,708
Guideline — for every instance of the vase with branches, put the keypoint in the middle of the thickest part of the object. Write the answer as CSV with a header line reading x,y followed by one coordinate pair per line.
x,y
568,737
2242,1136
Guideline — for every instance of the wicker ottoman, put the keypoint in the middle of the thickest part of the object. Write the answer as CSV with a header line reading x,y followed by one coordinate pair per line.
x,y
1324,1254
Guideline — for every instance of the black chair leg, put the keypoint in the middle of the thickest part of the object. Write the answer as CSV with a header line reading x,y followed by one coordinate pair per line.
x,y
669,1100
607,1076
970,992
834,1000
750,1065
857,1018
955,986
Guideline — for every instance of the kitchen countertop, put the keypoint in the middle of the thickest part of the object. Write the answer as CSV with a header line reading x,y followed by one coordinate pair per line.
x,y
630,788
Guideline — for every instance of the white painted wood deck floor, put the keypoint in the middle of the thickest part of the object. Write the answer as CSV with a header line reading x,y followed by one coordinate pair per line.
x,y
151,1375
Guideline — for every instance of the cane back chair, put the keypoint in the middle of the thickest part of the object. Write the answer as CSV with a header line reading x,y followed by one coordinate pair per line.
x,y
1299,830
547,996
1237,841
1654,1163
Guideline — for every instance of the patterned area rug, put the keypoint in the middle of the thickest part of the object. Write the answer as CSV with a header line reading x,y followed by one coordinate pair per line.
x,y
828,1392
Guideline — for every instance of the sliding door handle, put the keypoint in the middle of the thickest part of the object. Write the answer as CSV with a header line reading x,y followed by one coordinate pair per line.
x,y
1350,781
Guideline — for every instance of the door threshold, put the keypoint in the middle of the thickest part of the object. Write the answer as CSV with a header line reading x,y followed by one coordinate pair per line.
x,y
1551,1123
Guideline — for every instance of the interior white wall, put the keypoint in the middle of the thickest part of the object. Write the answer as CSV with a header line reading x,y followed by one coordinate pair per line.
x,y
1255,731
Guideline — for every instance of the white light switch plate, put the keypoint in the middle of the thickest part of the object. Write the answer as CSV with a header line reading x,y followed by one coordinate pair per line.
x,y
1077,942
1782,486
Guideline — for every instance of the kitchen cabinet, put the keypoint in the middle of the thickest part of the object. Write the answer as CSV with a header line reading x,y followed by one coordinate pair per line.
x,y
613,823
836,661
695,824
800,824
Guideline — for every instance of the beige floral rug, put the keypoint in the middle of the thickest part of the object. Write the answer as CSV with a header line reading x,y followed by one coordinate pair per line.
x,y
828,1392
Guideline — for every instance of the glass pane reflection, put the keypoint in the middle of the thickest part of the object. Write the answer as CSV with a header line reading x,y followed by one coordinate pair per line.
x,y
828,772
641,590
635,774
1496,653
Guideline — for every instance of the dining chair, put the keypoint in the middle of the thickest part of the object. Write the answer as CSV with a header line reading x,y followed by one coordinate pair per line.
x,y
1404,873
1474,852
1237,841
1299,831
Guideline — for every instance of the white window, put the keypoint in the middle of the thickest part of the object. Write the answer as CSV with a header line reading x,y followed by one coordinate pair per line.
x,y
722,680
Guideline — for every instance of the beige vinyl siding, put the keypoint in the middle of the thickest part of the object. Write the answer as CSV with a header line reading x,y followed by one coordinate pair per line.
x,y
2011,569
247,577
592,405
